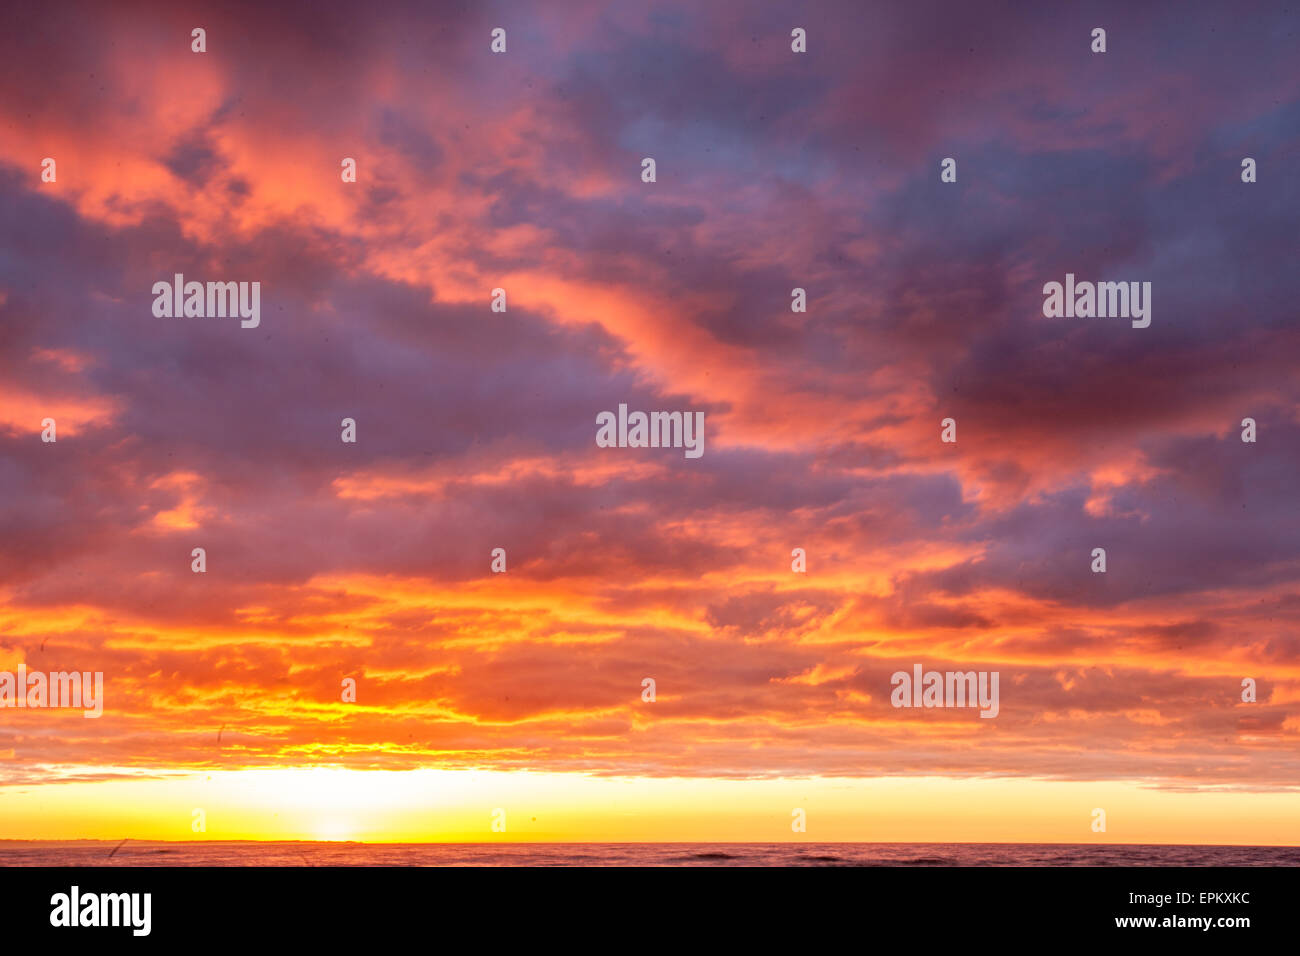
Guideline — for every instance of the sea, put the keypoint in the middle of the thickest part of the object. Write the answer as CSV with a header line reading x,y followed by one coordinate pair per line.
x,y
293,853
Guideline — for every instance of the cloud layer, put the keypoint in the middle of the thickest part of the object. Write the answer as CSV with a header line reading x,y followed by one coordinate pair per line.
x,y
476,429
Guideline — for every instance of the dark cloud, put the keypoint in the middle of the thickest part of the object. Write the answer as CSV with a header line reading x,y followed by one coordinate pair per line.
x,y
477,428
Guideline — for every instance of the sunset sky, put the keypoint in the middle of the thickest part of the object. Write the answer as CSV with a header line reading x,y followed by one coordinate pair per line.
x,y
476,429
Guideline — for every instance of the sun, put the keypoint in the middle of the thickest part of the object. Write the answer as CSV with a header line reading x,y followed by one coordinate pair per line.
x,y
334,831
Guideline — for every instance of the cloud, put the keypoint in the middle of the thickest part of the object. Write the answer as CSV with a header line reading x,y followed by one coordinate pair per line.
x,y
476,428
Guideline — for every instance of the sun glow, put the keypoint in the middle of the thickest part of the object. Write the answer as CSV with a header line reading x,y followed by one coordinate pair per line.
x,y
460,807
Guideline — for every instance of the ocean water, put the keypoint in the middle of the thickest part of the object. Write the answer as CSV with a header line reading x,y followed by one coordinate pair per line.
x,y
247,853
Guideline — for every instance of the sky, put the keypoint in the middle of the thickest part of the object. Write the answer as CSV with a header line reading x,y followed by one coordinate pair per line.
x,y
476,429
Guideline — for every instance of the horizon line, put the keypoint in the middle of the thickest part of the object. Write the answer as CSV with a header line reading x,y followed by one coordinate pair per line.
x,y
1280,846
